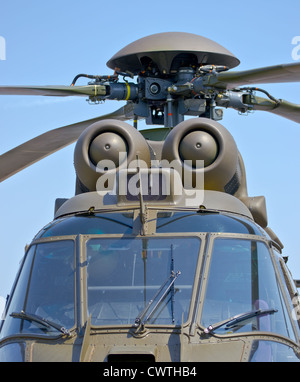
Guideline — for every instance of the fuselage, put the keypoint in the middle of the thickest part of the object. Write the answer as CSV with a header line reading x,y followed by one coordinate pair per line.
x,y
164,289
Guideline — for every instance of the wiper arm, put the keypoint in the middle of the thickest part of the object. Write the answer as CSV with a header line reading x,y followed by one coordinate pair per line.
x,y
40,320
140,320
230,322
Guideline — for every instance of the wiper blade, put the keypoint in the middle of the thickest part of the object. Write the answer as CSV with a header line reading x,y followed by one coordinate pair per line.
x,y
40,320
141,319
230,322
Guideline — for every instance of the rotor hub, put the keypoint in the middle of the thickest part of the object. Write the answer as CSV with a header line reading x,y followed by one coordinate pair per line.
x,y
167,52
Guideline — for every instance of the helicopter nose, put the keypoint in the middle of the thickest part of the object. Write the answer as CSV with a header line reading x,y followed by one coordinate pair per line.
x,y
199,145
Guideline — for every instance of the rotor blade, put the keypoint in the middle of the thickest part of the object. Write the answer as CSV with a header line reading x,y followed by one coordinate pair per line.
x,y
270,74
283,108
58,91
45,144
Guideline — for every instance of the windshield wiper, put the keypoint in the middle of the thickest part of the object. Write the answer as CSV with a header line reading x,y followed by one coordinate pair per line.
x,y
40,320
230,322
141,319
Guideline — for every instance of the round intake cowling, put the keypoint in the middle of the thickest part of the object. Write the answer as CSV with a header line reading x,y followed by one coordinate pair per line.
x,y
199,144
106,147
202,139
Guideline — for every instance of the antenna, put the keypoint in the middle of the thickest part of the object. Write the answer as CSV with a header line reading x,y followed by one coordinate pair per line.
x,y
142,204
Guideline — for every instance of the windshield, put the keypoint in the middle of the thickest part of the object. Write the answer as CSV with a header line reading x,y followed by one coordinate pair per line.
x,y
124,274
166,222
46,288
205,222
89,224
242,279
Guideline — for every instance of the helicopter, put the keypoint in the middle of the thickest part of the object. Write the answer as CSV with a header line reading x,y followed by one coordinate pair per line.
x,y
161,255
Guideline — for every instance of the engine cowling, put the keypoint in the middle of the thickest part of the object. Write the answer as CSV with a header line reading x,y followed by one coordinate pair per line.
x,y
106,147
201,139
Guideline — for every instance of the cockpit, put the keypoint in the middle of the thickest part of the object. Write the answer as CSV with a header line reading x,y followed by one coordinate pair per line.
x,y
217,272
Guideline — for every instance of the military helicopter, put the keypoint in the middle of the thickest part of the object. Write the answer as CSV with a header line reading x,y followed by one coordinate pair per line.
x,y
161,255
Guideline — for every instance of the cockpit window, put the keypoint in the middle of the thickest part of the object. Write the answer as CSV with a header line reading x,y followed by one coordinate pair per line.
x,y
124,275
118,223
204,222
242,279
89,224
46,288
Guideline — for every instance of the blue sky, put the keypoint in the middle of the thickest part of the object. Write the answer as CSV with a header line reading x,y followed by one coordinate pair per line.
x,y
48,43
